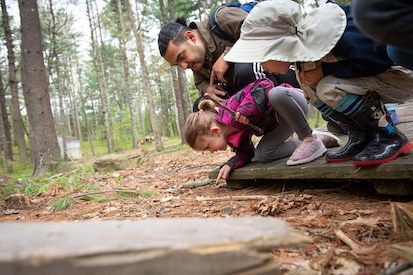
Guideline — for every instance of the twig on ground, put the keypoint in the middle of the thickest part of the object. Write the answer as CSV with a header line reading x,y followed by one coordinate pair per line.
x,y
397,269
233,198
105,191
347,240
196,184
328,257
191,185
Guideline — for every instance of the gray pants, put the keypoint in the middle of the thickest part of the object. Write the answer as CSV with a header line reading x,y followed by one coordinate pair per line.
x,y
292,108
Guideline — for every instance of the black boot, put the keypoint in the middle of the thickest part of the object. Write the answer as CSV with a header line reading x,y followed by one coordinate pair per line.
x,y
388,142
358,138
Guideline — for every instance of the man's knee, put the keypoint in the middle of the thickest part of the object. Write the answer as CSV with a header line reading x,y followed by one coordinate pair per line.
x,y
329,92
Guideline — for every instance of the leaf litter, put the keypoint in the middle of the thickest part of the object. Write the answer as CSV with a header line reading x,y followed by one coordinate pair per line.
x,y
352,233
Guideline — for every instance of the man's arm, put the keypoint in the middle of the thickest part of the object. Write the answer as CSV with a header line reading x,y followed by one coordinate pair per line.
x,y
229,20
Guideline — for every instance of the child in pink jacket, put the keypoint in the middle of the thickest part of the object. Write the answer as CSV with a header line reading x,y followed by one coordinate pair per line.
x,y
279,111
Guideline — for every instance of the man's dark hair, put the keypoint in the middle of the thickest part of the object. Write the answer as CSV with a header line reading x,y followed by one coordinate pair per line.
x,y
172,31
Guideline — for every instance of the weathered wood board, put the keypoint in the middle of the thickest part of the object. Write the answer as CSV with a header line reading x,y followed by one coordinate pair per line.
x,y
150,246
398,172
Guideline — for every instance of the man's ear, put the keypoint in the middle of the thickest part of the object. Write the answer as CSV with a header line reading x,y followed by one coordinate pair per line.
x,y
215,129
190,36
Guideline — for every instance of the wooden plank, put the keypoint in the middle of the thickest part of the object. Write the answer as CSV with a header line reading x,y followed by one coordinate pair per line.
x,y
400,169
150,246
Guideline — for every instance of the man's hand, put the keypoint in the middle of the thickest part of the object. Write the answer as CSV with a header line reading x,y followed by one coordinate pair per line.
x,y
241,118
223,173
314,76
215,91
219,68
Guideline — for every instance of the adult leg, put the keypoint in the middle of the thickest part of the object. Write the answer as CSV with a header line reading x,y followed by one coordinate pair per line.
x,y
388,142
400,57
357,113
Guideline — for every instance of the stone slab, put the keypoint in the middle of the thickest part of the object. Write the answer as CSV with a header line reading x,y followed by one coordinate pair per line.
x,y
150,246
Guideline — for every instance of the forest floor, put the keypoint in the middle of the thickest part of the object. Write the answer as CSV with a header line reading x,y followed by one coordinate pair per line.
x,y
351,230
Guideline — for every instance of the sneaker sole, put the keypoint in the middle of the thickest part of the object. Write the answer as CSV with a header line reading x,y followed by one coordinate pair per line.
x,y
316,155
406,149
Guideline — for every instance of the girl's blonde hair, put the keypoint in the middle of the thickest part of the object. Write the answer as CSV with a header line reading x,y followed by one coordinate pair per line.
x,y
199,123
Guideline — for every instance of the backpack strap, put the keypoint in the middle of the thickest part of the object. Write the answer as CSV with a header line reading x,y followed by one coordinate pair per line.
x,y
213,24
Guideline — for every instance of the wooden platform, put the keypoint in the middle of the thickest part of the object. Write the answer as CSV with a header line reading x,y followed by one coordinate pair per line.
x,y
393,178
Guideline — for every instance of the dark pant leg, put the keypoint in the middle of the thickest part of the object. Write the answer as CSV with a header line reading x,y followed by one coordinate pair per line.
x,y
246,73
386,21
400,57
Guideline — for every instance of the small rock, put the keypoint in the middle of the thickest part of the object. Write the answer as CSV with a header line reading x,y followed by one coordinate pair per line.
x,y
18,201
112,163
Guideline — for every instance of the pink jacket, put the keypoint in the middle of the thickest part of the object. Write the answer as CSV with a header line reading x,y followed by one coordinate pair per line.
x,y
252,102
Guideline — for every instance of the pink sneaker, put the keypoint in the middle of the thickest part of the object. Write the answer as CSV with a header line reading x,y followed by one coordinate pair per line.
x,y
308,150
328,139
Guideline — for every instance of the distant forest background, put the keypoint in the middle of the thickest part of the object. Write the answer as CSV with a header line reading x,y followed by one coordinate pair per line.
x,y
91,69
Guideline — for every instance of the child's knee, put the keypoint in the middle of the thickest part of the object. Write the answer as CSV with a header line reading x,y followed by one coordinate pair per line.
x,y
277,94
261,155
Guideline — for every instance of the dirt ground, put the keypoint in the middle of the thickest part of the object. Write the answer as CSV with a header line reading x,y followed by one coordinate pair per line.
x,y
351,230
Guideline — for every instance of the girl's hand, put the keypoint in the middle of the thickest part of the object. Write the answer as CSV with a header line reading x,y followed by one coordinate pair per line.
x,y
223,173
241,118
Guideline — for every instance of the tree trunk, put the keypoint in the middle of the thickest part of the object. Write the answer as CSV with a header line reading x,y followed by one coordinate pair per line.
x,y
164,112
6,144
102,97
6,125
139,104
184,92
75,109
62,114
18,124
82,101
151,106
179,96
102,61
126,76
36,91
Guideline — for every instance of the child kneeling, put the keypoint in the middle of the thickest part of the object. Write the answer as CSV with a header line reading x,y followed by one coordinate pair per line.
x,y
279,111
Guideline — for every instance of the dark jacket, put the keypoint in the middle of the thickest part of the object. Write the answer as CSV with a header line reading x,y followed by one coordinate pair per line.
x,y
361,55
230,20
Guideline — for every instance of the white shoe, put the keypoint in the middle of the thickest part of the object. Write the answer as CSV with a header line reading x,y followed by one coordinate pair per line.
x,y
308,150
